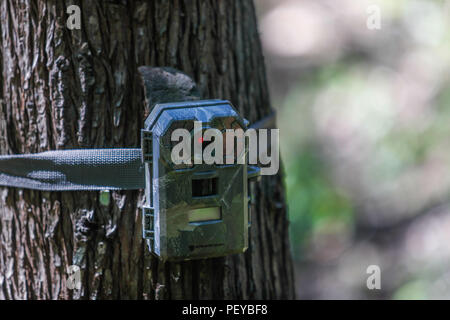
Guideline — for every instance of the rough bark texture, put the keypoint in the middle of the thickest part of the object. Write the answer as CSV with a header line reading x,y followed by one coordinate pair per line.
x,y
64,89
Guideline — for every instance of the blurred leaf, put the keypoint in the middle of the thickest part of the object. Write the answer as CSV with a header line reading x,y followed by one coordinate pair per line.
x,y
413,290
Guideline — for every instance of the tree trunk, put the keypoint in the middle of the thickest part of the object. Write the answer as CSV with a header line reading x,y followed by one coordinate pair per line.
x,y
68,89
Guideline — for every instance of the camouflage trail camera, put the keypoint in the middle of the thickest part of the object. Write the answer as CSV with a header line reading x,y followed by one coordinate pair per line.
x,y
192,211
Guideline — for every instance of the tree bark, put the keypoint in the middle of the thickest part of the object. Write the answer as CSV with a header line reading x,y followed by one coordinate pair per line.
x,y
67,89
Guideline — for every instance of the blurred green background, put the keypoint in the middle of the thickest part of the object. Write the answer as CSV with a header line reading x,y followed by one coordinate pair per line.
x,y
364,118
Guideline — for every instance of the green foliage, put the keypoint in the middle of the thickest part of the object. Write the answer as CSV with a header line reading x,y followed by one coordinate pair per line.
x,y
312,198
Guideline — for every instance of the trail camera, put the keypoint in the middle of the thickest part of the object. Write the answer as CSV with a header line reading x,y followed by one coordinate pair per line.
x,y
193,210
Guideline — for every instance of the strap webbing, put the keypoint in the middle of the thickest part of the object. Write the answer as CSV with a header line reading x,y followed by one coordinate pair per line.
x,y
85,169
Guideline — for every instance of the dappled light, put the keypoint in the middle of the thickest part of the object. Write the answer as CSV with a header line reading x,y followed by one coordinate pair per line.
x,y
363,111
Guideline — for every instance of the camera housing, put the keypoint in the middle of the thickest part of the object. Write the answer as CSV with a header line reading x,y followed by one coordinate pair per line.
x,y
193,211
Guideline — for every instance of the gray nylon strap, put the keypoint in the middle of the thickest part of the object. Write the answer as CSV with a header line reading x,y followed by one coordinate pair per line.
x,y
85,169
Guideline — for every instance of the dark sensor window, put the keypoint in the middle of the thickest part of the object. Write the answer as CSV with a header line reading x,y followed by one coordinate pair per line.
x,y
204,187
